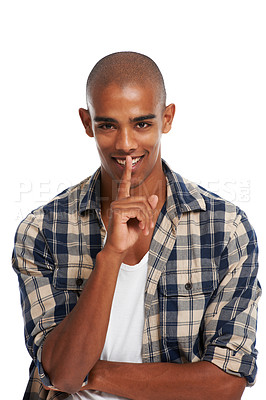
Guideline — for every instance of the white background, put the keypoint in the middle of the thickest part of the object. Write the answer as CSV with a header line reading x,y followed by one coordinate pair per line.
x,y
212,55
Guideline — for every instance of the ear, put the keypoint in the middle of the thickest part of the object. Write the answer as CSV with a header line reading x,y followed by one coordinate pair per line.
x,y
86,120
168,117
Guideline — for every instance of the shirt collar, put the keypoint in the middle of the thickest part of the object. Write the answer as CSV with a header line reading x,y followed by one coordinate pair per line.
x,y
182,195
90,196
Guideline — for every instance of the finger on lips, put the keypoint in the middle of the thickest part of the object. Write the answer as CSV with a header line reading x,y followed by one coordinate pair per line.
x,y
124,187
141,208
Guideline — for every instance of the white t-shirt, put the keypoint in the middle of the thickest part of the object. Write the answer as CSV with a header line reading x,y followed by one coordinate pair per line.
x,y
124,335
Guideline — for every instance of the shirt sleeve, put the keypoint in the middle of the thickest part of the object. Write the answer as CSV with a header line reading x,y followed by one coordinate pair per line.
x,y
43,306
231,317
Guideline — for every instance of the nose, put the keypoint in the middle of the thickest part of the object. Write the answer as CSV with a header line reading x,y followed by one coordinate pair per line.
x,y
126,140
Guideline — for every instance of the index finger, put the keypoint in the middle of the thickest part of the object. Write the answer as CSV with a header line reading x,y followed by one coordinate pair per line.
x,y
124,187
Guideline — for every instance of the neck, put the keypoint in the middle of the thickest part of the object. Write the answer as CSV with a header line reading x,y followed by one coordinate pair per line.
x,y
151,186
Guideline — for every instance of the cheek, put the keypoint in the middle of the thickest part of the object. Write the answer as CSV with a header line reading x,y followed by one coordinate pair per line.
x,y
154,143
102,145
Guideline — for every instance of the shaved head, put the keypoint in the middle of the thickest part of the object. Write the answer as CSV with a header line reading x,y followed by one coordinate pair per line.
x,y
126,69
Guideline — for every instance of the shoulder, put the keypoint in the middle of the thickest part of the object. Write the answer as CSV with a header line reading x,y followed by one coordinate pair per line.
x,y
213,213
189,196
65,203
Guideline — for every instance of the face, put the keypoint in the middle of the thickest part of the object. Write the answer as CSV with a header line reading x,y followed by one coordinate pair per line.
x,y
128,121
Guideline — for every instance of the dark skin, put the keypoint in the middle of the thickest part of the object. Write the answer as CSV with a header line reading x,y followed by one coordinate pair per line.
x,y
127,124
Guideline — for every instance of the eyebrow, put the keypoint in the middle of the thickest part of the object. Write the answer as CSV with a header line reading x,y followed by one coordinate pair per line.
x,y
104,119
136,119
142,118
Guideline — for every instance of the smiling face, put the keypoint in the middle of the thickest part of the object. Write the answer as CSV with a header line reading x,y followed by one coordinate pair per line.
x,y
128,120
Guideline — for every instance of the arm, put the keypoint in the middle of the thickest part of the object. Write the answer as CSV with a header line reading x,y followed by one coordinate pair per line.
x,y
230,321
168,381
73,347
54,319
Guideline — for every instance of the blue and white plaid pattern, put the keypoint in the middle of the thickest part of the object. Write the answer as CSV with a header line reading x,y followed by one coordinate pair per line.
x,y
201,293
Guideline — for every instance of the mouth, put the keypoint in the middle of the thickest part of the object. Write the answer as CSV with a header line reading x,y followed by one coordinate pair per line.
x,y
122,161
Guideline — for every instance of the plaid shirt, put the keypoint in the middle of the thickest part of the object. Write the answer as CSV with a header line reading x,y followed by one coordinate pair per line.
x,y
201,292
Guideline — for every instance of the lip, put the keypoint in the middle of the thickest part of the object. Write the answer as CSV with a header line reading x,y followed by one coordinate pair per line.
x,y
134,167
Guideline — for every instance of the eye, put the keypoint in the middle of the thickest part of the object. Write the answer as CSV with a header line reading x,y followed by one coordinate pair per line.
x,y
106,127
143,125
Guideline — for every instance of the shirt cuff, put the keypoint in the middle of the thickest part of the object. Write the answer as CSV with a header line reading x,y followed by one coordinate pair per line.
x,y
233,362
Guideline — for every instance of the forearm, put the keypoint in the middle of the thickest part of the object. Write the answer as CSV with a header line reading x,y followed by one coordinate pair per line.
x,y
168,381
74,346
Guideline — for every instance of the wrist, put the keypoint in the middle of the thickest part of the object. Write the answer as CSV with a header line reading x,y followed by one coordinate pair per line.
x,y
109,255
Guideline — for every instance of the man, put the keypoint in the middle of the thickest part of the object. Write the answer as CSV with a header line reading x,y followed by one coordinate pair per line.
x,y
137,283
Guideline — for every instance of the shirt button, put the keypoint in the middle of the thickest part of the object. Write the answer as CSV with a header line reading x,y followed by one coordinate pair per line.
x,y
79,281
188,286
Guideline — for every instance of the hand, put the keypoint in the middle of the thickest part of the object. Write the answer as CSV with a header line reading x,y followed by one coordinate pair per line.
x,y
130,216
